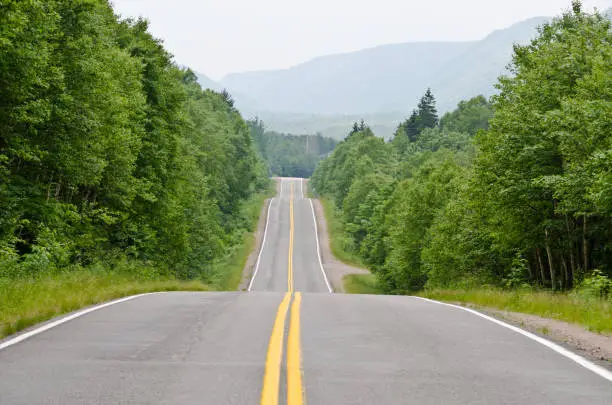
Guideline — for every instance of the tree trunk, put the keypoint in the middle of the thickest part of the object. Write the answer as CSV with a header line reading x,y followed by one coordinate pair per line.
x,y
530,270
565,276
539,255
553,279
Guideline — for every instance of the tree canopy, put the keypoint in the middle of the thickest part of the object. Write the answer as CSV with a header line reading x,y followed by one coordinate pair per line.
x,y
111,152
289,155
511,192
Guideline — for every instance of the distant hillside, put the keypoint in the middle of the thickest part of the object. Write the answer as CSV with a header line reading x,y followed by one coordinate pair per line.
x,y
334,126
208,83
382,83
476,71
379,79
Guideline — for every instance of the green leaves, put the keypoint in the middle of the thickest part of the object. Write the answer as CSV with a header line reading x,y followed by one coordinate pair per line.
x,y
510,192
108,150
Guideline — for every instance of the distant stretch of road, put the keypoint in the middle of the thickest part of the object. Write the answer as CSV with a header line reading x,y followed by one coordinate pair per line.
x,y
289,340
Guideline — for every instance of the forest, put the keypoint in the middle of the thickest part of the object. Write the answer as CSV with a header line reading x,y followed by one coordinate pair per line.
x,y
111,155
289,155
513,192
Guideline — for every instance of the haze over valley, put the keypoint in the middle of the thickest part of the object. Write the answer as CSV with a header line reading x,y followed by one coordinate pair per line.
x,y
380,85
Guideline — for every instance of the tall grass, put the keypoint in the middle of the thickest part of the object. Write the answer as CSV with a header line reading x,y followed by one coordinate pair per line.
x,y
593,313
361,284
26,302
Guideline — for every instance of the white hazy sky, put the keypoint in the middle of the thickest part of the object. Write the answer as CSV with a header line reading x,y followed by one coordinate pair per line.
x,y
217,37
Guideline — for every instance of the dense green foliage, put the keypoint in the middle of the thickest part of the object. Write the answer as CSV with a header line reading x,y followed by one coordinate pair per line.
x,y
517,192
290,155
109,152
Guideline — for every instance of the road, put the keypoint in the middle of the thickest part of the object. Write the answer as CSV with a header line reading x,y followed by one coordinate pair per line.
x,y
289,341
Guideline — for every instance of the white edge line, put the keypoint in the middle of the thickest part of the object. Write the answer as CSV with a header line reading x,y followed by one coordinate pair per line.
x,y
68,318
314,218
263,244
302,188
600,371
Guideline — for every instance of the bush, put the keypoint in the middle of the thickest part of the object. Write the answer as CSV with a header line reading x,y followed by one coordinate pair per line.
x,y
597,285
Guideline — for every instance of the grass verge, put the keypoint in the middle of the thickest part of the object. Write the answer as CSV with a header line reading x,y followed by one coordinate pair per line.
x,y
592,313
338,240
26,302
361,284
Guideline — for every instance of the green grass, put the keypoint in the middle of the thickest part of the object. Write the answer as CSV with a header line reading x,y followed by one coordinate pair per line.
x,y
592,313
339,242
361,284
26,302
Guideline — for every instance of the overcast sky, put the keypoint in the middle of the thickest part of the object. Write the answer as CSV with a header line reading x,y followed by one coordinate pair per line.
x,y
216,37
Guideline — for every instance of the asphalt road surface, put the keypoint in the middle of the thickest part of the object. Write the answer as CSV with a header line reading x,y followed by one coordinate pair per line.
x,y
289,340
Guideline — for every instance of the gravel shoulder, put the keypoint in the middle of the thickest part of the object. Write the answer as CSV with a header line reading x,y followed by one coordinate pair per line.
x,y
594,346
334,268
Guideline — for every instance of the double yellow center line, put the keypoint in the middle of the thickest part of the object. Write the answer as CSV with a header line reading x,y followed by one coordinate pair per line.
x,y
290,255
271,382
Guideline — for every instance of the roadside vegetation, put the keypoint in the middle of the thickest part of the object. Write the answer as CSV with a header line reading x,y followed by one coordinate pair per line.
x,y
118,173
339,241
511,194
361,284
289,155
593,313
26,302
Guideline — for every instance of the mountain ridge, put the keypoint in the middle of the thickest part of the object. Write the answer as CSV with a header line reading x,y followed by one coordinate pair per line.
x,y
383,82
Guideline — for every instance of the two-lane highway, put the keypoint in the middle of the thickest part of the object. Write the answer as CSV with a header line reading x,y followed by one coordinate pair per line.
x,y
289,341
289,259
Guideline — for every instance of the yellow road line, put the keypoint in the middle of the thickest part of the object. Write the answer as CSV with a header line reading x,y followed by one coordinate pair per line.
x,y
269,393
295,391
290,256
271,383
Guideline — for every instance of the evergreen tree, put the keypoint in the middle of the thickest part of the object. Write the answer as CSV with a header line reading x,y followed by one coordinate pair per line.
x,y
425,116
428,113
360,126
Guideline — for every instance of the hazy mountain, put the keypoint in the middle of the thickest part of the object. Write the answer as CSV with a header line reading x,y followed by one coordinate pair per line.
x,y
208,83
476,70
334,126
382,83
380,79
243,101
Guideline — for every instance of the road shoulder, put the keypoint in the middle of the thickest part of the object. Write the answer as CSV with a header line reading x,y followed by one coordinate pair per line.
x,y
594,346
335,269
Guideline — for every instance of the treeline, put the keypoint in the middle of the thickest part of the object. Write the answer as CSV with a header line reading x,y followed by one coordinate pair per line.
x,y
516,192
109,152
290,155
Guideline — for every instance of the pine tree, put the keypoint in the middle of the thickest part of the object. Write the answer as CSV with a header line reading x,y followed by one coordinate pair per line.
x,y
425,116
428,114
358,127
